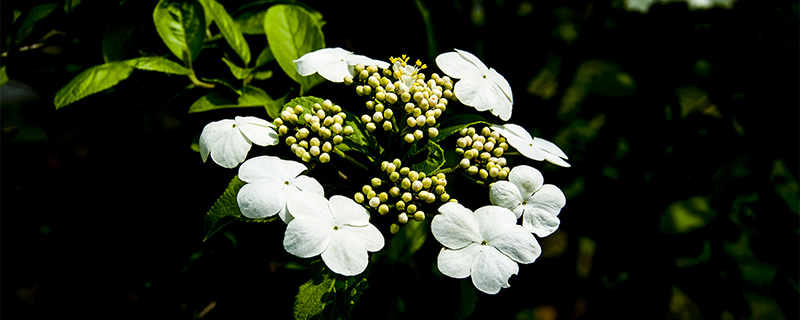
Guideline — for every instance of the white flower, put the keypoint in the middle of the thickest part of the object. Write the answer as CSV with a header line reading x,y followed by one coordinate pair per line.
x,y
338,230
333,63
479,87
534,148
527,196
486,245
270,183
228,140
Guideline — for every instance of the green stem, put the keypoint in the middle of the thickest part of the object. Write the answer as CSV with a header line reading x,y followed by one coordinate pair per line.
x,y
199,83
445,170
349,159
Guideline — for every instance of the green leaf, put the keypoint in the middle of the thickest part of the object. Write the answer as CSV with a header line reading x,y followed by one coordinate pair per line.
x,y
264,57
159,64
454,123
327,295
468,299
252,96
36,14
181,25
408,241
3,76
92,80
686,215
226,209
211,101
123,30
251,22
433,157
292,32
238,72
229,29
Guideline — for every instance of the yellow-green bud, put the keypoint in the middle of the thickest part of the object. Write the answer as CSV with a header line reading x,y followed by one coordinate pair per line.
x,y
433,132
472,170
402,218
366,189
358,197
407,196
409,138
483,173
383,209
416,185
337,139
394,192
405,171
418,134
405,96
400,205
376,182
387,126
348,130
348,80
439,189
324,157
419,216
391,97
394,228
383,196
314,150
363,75
327,147
394,176
464,163
374,202
290,140
306,157
405,183
411,208
444,197
426,183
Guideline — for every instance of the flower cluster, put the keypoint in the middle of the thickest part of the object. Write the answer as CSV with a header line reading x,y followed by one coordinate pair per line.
x,y
315,133
405,192
402,124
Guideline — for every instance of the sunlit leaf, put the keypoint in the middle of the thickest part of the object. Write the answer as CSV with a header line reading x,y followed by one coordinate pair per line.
x,y
292,32
159,64
252,96
433,156
229,29
181,25
456,122
238,72
92,80
686,215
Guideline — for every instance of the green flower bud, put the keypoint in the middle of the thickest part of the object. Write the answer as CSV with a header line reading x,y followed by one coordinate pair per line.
x,y
388,113
426,183
394,192
444,197
405,96
502,175
402,218
405,171
290,140
298,109
377,117
422,195
373,82
407,196
303,143
409,108
372,69
430,121
460,151
302,133
324,157
461,142
366,189
314,150
380,95
416,185
409,138
394,228
348,80
363,75
483,174
497,152
383,209
337,139
418,134
327,147
394,176
366,90
376,182
396,162
293,118
472,170
390,168
306,157
411,122
391,97
464,163
400,205
358,197
419,216
315,126
348,130
383,196
430,198
439,190
413,175
405,183
433,132
379,107
411,208
387,126
493,172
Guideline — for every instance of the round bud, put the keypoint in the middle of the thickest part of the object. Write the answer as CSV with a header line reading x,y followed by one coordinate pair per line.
x,y
348,130
416,185
327,147
409,138
472,170
413,175
380,96
418,134
406,183
314,150
377,117
394,228
374,202
387,126
290,140
306,157
337,139
419,216
400,205
324,157
483,174
433,132
426,183
439,189
394,176
402,218
411,208
444,197
376,182
383,196
348,80
363,75
394,192
391,97
464,163
407,197
358,197
383,209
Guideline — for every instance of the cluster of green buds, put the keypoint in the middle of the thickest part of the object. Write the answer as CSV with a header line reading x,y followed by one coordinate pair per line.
x,y
401,99
313,135
482,153
406,192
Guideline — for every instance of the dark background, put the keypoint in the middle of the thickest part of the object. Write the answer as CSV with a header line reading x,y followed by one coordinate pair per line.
x,y
678,111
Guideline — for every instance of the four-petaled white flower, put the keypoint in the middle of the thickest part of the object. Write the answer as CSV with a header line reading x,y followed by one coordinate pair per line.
x,y
333,64
534,148
527,196
228,141
338,230
479,87
486,245
270,183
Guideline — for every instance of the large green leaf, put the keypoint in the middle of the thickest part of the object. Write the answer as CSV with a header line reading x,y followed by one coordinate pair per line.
x,y
327,295
92,80
226,209
159,64
229,29
123,29
36,14
181,25
431,155
292,32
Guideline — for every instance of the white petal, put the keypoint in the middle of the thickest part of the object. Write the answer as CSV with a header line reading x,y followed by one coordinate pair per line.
x,y
306,236
308,184
458,263
345,255
479,93
551,151
456,226
549,199
334,71
493,220
356,59
528,179
456,66
302,204
270,168
538,222
473,60
261,199
501,83
492,269
520,139
369,235
347,212
506,195
230,149
311,62
502,110
211,133
517,243
259,131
